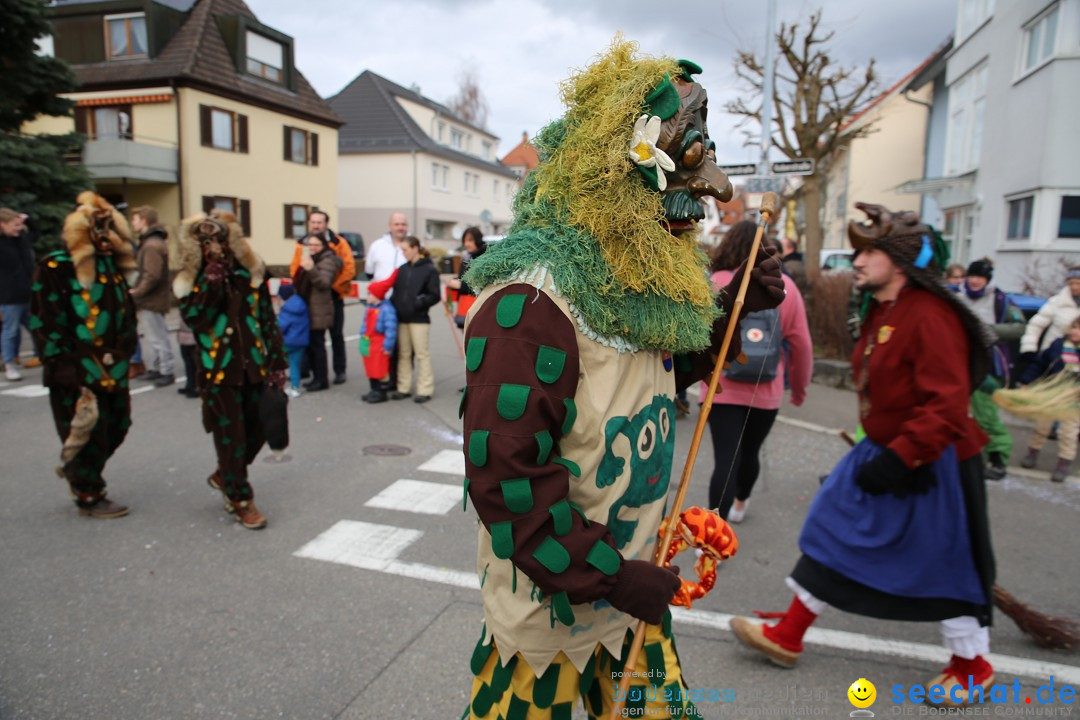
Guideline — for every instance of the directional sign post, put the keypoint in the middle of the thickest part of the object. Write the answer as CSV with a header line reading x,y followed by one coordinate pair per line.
x,y
737,170
764,184
799,166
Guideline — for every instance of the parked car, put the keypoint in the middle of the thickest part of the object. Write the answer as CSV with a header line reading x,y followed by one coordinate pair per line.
x,y
836,259
356,242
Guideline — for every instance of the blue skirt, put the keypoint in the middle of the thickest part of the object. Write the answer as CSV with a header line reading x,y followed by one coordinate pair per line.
x,y
917,547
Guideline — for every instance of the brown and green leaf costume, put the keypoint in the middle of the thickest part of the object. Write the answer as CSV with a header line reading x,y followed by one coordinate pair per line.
x,y
83,324
239,352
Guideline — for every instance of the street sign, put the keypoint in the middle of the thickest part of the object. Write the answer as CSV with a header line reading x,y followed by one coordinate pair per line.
x,y
798,166
737,170
764,184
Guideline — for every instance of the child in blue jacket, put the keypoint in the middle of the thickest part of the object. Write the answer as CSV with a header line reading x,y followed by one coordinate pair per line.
x,y
295,324
1062,356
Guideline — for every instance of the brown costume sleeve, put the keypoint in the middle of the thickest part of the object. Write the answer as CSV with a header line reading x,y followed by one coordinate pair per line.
x,y
522,375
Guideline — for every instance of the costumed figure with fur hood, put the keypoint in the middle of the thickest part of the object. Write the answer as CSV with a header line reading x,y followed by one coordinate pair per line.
x,y
224,299
899,529
83,323
589,315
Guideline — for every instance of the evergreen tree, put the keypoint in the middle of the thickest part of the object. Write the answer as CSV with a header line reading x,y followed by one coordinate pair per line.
x,y
35,176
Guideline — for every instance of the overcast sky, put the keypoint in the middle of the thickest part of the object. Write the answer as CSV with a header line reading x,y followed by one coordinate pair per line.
x,y
521,49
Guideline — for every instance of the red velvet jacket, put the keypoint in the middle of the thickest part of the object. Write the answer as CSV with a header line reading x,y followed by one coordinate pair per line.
x,y
914,383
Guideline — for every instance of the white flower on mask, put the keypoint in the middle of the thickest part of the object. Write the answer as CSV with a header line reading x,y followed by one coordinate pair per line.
x,y
644,152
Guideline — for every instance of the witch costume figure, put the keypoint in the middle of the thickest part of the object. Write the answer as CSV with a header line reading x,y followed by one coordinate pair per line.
x,y
83,323
224,299
590,313
899,529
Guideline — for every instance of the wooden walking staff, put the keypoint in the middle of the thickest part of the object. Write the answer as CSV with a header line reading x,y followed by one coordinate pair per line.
x,y
768,210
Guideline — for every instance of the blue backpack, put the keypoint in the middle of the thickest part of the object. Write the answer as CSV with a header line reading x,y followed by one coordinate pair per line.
x,y
761,345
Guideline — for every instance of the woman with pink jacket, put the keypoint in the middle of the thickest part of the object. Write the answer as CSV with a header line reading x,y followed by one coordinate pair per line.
x,y
743,414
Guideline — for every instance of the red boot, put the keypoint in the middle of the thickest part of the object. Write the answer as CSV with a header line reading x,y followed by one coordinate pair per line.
x,y
961,674
781,643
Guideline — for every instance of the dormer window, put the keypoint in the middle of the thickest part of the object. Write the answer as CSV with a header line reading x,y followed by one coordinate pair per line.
x,y
125,36
265,57
457,139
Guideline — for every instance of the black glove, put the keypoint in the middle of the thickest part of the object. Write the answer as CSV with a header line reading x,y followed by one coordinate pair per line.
x,y
766,288
643,590
887,473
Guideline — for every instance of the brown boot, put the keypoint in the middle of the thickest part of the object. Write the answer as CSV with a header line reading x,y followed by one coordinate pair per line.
x,y
244,511
135,370
99,506
248,515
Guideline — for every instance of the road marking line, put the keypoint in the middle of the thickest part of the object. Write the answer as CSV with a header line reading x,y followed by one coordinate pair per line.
x,y
360,544
814,427
376,547
31,391
450,462
417,496
858,642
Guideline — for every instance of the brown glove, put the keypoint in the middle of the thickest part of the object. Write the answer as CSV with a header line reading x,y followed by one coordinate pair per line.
x,y
643,590
766,288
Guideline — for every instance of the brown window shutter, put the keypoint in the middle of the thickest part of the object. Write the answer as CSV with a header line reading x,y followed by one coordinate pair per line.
x,y
314,148
80,120
288,221
206,130
207,203
245,215
241,123
287,145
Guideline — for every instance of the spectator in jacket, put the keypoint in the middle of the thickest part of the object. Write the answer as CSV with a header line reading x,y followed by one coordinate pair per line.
x,y
415,290
16,268
473,242
378,338
318,224
955,275
749,404
1061,356
295,327
314,280
151,295
1050,322
1006,323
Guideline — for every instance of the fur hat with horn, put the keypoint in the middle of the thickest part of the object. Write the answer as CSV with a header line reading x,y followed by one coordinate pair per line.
x,y
217,226
96,227
915,248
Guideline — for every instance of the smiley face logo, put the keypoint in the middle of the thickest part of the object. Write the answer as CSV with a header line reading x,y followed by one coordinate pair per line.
x,y
862,693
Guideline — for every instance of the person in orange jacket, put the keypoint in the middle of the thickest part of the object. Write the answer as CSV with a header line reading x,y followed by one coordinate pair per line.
x,y
318,223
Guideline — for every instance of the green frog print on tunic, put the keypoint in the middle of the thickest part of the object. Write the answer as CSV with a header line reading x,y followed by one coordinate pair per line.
x,y
652,446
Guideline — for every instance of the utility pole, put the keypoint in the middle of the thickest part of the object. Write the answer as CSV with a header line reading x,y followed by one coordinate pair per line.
x,y
767,87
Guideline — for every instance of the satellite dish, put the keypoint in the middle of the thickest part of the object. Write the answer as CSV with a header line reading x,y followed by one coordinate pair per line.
x,y
485,216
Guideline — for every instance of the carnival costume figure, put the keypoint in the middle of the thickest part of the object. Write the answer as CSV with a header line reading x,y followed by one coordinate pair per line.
x,y
589,315
899,529
224,299
83,323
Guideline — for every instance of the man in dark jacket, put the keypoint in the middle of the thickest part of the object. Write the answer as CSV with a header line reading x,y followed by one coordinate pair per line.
x,y
16,268
415,291
152,296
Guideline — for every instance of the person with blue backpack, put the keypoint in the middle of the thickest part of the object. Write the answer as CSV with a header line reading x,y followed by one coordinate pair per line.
x,y
753,391
295,324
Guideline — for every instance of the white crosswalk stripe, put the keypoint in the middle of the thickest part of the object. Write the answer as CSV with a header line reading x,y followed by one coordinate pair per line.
x,y
449,462
418,496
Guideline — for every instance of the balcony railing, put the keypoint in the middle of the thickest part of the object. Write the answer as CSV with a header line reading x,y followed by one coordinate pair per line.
x,y
139,158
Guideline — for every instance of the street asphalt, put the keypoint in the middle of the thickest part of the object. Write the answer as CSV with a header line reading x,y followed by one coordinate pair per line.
x,y
359,599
